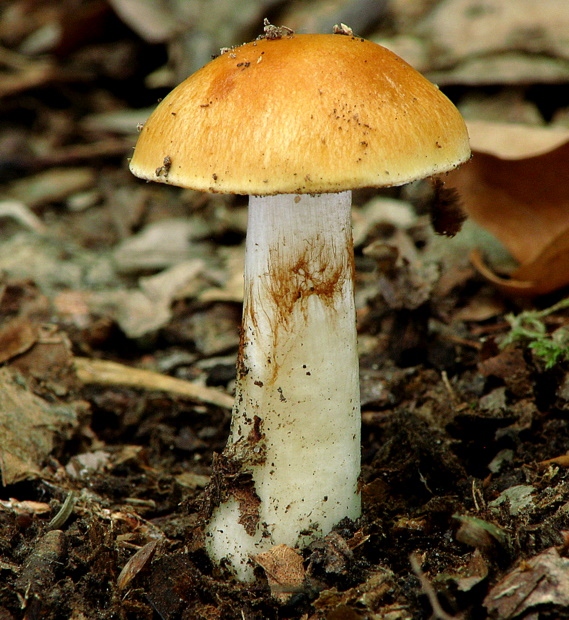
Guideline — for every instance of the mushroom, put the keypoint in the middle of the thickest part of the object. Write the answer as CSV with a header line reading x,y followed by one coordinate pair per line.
x,y
296,122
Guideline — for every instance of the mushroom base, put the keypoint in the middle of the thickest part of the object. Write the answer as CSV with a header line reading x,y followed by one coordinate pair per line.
x,y
290,470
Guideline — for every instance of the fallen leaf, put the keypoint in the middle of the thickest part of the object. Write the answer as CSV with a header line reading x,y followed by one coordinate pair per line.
x,y
332,553
284,570
517,498
52,265
404,280
191,480
29,427
21,213
497,42
148,308
48,364
73,306
511,67
379,587
136,564
230,288
155,21
161,245
379,212
477,28
508,285
52,185
514,141
510,366
515,187
30,76
16,336
25,506
475,572
542,580
480,308
480,534
87,463
560,461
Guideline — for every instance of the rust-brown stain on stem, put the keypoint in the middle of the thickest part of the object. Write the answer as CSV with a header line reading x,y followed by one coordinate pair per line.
x,y
295,278
292,278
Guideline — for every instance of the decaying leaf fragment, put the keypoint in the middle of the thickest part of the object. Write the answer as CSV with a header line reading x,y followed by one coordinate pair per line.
x,y
498,42
542,580
480,534
16,337
136,564
29,426
284,570
517,188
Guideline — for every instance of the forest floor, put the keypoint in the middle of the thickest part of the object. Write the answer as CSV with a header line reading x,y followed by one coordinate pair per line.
x,y
104,469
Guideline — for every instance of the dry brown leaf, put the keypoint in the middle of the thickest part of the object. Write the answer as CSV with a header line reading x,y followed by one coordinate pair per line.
x,y
148,308
510,366
561,461
284,570
28,428
49,362
516,187
25,506
542,580
474,572
514,141
136,564
16,337
376,592
508,285
479,308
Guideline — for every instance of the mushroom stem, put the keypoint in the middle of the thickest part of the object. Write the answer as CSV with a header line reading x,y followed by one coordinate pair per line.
x,y
290,470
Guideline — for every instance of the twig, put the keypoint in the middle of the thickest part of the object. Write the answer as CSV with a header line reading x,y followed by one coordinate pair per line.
x,y
438,612
111,373
446,382
477,497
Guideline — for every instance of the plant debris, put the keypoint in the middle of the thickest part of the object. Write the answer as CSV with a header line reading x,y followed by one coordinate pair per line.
x,y
120,307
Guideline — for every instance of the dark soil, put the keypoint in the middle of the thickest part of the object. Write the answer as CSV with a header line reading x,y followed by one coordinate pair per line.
x,y
465,474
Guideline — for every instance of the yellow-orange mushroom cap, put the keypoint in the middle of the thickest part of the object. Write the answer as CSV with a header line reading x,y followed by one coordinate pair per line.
x,y
308,113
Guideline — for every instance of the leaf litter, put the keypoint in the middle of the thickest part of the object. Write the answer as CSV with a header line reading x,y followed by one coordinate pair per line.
x,y
119,317
519,171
